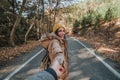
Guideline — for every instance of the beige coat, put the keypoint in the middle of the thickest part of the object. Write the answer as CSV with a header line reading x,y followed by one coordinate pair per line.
x,y
56,46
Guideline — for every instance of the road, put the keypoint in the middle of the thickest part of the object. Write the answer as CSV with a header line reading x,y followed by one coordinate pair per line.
x,y
85,64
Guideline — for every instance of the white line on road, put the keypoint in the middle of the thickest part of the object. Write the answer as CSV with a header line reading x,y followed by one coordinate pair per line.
x,y
106,64
19,68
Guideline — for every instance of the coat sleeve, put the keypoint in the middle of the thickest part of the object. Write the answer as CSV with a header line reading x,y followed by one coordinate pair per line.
x,y
44,75
56,47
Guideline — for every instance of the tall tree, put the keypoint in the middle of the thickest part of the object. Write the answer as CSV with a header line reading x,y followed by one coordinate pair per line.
x,y
43,10
37,18
12,34
55,8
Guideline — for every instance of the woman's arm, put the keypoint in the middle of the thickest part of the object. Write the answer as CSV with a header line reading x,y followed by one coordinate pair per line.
x,y
56,47
52,73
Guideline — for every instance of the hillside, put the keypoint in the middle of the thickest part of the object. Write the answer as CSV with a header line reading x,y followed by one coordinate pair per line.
x,y
106,40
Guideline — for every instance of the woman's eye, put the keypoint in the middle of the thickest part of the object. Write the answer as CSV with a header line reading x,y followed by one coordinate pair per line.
x,y
61,30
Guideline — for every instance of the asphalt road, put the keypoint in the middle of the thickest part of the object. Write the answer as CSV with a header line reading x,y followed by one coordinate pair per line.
x,y
85,64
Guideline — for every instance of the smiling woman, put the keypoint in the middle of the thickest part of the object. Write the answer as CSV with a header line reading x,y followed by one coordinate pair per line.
x,y
57,46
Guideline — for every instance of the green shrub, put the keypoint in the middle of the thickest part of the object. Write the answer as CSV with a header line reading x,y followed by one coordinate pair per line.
x,y
88,20
109,15
98,19
76,23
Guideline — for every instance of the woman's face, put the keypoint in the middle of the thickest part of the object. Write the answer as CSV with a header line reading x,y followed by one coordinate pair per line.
x,y
61,32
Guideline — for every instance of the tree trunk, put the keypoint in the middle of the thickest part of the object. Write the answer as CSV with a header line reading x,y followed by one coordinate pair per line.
x,y
43,15
12,34
37,19
55,13
50,16
28,32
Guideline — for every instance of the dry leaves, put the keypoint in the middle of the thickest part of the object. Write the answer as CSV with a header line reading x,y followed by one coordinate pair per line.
x,y
8,53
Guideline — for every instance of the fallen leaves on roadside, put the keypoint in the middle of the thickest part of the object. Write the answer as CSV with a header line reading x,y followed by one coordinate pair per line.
x,y
8,53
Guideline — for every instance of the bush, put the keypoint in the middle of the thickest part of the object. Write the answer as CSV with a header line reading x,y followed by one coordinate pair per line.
x,y
109,15
76,24
88,20
97,21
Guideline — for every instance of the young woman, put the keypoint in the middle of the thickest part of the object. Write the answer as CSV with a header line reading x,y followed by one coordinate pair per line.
x,y
59,46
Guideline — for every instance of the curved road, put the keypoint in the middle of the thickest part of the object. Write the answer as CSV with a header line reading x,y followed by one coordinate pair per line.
x,y
85,64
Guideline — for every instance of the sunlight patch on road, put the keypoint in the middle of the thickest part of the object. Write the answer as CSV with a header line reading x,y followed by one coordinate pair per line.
x,y
33,71
84,54
86,78
75,73
8,69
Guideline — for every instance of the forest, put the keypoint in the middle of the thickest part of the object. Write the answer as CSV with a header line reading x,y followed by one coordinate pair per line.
x,y
24,22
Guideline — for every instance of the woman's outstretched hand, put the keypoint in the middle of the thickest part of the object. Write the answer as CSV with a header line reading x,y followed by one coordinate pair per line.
x,y
58,65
